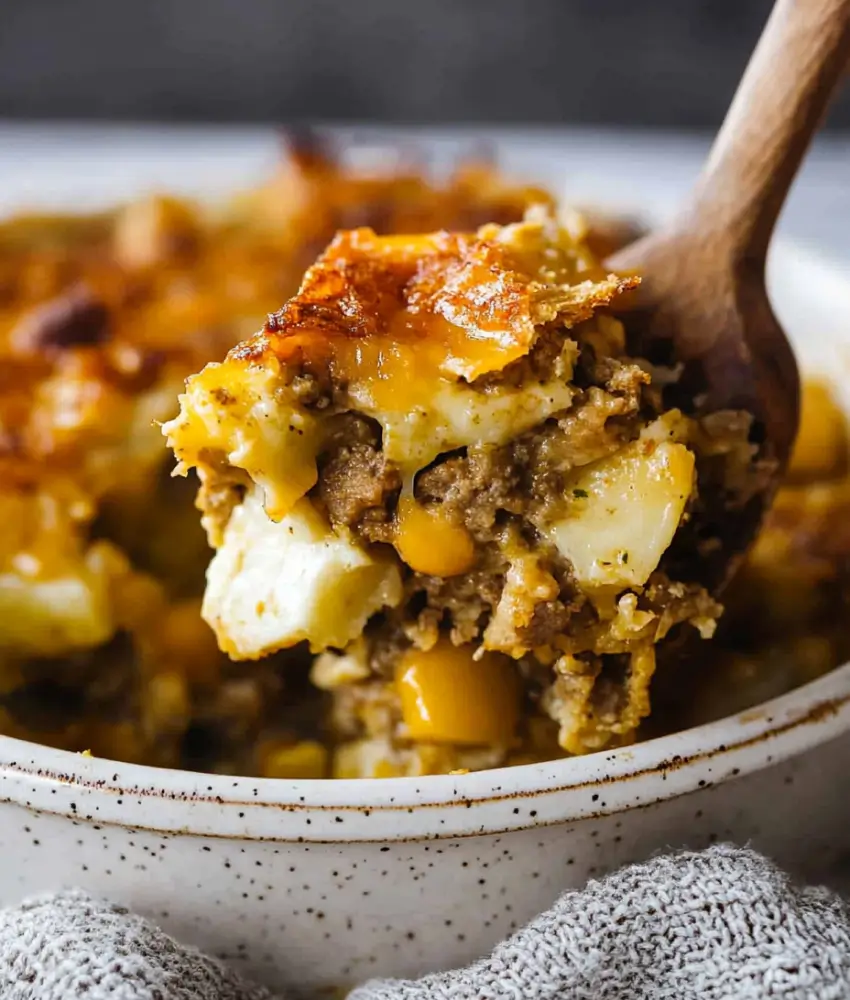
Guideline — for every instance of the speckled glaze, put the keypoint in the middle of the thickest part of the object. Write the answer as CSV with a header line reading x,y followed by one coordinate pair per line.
x,y
312,884
323,883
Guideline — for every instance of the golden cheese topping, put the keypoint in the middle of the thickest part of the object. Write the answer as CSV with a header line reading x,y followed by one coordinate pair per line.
x,y
394,314
401,329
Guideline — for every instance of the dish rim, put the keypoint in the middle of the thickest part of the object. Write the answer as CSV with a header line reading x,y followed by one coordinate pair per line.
x,y
344,810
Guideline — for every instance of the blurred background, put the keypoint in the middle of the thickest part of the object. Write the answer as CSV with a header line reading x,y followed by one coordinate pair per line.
x,y
97,96
655,63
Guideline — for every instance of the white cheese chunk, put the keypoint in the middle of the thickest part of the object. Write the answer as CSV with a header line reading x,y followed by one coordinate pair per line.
x,y
457,416
625,510
240,412
274,584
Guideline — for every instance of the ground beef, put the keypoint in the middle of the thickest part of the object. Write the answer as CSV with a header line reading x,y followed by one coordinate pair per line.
x,y
520,592
464,603
309,391
481,486
595,426
217,496
356,486
552,356
356,480
526,476
551,619
475,487
462,606
387,641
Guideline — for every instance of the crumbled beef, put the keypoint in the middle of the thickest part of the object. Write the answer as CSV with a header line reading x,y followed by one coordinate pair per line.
x,y
464,602
520,593
386,642
481,486
474,487
551,619
355,482
217,497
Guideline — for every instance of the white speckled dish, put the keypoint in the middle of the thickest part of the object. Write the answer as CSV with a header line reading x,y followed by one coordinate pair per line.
x,y
324,883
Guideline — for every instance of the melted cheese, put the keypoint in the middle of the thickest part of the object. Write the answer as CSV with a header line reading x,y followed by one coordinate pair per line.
x,y
395,328
238,415
455,416
274,584
625,509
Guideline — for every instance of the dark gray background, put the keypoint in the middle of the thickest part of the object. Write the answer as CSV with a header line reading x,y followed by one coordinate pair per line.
x,y
663,63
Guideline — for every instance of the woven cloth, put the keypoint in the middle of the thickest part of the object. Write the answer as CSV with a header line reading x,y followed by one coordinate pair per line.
x,y
723,923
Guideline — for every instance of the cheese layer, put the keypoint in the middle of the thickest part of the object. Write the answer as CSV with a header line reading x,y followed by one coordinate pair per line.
x,y
273,584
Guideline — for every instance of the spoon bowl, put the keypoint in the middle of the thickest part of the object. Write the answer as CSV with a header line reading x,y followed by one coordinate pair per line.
x,y
703,300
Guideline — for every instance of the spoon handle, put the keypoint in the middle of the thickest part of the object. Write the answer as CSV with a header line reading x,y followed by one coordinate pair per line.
x,y
782,97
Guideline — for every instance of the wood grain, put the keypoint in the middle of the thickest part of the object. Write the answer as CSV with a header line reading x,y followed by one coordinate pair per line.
x,y
704,275
782,98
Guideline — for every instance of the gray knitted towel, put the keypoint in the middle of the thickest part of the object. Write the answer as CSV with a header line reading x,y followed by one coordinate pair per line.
x,y
724,923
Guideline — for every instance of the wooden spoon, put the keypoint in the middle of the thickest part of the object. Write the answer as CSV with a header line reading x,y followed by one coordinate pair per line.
x,y
703,290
